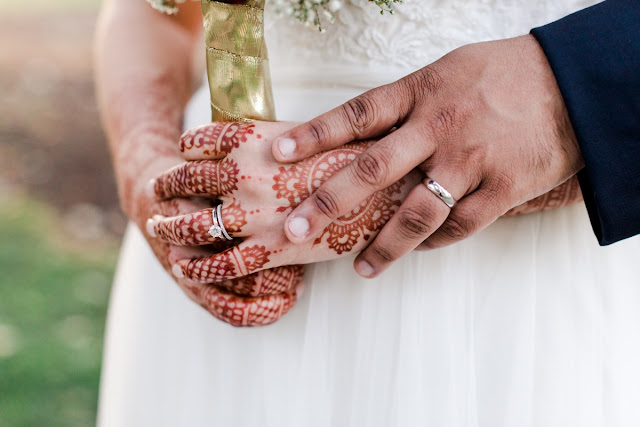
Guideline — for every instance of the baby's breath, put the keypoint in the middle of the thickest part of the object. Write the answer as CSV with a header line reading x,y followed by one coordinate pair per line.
x,y
385,5
309,12
315,12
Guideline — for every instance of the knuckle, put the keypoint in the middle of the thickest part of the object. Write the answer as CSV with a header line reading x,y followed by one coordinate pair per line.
x,y
382,253
326,202
319,130
360,113
415,222
188,140
456,228
426,81
444,122
371,169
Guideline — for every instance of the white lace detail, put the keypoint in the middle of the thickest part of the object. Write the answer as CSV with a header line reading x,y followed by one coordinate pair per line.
x,y
418,33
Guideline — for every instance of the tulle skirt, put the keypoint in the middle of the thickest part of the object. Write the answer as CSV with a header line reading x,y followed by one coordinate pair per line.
x,y
528,323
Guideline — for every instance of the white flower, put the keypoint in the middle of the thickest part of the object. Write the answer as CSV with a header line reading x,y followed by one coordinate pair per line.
x,y
317,12
334,5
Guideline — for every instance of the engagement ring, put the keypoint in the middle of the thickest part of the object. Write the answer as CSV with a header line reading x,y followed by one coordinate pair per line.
x,y
217,230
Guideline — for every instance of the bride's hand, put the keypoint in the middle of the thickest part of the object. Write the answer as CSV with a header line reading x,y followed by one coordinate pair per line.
x,y
152,148
233,163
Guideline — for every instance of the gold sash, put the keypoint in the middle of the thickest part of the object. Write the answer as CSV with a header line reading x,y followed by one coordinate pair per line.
x,y
237,61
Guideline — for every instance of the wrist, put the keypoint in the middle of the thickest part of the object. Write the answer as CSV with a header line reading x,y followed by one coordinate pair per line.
x,y
148,150
560,115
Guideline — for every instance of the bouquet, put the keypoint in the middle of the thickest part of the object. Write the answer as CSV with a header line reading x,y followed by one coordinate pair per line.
x,y
307,12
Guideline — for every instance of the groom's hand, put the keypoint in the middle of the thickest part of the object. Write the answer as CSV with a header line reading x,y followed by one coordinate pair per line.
x,y
487,122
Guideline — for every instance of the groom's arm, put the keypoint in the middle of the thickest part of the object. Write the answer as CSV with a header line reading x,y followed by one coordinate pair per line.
x,y
595,56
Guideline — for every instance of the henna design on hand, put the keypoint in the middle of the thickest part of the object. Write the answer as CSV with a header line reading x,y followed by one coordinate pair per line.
x,y
369,217
563,195
193,229
150,149
234,217
238,310
227,306
230,264
214,140
238,303
198,178
267,282
297,182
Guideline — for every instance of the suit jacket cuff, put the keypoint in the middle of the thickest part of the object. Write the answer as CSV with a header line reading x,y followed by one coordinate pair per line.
x,y
595,56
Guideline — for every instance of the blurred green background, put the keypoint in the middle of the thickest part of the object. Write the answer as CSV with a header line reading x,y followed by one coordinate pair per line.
x,y
60,224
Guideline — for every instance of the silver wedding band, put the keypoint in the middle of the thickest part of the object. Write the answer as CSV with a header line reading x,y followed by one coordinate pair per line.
x,y
439,191
217,229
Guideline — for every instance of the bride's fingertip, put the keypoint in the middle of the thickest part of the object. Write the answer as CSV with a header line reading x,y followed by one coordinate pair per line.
x,y
151,227
150,188
297,229
177,271
284,148
364,269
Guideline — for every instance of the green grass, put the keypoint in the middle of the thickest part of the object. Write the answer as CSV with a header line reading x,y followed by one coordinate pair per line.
x,y
53,296
47,5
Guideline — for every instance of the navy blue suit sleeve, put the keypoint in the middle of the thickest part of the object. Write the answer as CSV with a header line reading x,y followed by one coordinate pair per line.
x,y
595,56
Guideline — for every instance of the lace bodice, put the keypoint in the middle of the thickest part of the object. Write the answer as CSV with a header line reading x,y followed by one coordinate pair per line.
x,y
418,33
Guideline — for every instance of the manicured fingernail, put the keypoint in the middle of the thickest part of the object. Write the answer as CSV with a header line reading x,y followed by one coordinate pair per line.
x,y
299,290
150,188
286,146
151,227
298,227
177,271
364,269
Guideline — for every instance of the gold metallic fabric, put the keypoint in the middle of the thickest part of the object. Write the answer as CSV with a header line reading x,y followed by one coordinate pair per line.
x,y
237,61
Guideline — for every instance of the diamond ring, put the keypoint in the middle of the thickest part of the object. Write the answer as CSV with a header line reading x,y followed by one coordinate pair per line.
x,y
217,230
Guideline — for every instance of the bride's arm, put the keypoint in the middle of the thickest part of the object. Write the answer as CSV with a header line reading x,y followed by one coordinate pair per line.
x,y
145,75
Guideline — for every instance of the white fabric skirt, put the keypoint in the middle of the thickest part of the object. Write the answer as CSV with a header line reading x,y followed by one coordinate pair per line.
x,y
528,323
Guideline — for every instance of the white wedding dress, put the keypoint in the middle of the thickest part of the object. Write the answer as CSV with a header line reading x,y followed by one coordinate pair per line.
x,y
528,323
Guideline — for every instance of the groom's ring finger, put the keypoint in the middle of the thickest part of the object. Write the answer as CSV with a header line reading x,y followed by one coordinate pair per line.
x,y
426,207
197,178
201,228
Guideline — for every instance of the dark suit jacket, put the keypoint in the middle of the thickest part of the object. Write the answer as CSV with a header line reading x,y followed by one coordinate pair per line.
x,y
595,56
